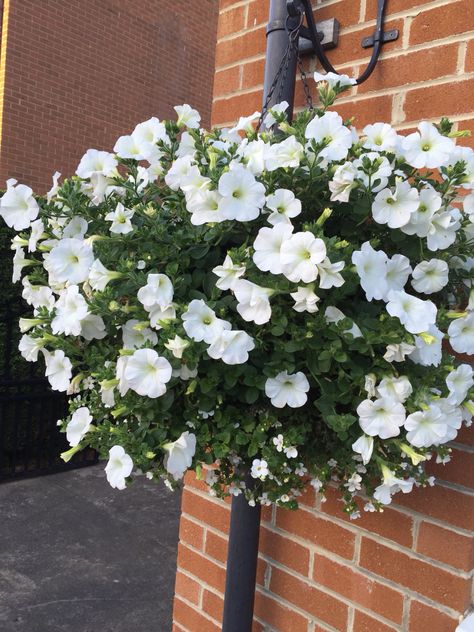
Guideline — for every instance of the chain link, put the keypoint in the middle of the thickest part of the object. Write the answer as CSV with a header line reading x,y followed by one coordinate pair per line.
x,y
307,92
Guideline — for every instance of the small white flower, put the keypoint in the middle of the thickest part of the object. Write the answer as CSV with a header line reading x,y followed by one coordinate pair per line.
x,y
459,382
278,442
37,232
121,220
442,230
305,299
430,276
397,352
177,345
461,334
364,446
245,123
329,274
333,79
78,426
134,335
267,246
187,117
147,373
343,182
334,315
58,370
284,206
253,302
427,147
201,322
69,261
397,388
232,347
278,108
329,131
380,137
353,483
300,254
242,196
259,469
180,454
415,315
288,153
158,291
119,466
291,452
71,309
428,348
394,208
370,382
287,390
228,274
100,276
381,418
316,484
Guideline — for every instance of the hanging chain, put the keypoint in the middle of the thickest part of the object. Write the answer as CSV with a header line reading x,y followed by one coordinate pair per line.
x,y
304,80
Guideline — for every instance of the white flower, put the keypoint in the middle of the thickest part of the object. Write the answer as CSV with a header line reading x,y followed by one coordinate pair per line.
x,y
201,322
180,454
259,469
158,291
426,427
228,274
94,161
19,262
288,153
121,365
187,146
18,207
93,327
121,220
29,347
71,308
291,452
396,273
394,208
278,108
204,207
442,230
414,314
461,334
364,446
242,196
420,220
38,295
453,417
329,274
58,370
37,232
75,228
134,335
232,347
397,352
300,254
353,484
335,80
343,182
69,261
381,418
160,316
459,382
370,382
147,373
397,388
245,123
287,390
178,171
391,485
100,276
78,426
430,276
278,442
187,117
305,299
253,153
177,345
329,131
334,315
253,301
380,137
427,147
371,267
131,147
267,246
428,348
284,206
55,188
119,466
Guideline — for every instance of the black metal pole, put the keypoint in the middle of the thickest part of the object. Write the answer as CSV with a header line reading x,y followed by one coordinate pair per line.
x,y
242,552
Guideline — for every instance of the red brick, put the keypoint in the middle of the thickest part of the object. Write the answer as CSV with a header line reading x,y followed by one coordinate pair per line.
x,y
442,503
466,435
187,588
191,619
278,615
226,81
423,618
364,623
191,480
240,47
309,598
212,605
202,568
191,533
453,18
253,73
258,12
394,6
390,524
216,547
229,110
324,533
355,586
206,511
470,56
435,583
446,546
366,111
459,470
283,550
230,21
349,47
436,101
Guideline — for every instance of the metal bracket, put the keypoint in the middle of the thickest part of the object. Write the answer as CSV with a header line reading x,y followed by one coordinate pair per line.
x,y
328,33
387,36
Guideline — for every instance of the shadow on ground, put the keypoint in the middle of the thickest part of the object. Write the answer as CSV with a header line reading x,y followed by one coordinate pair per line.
x,y
77,556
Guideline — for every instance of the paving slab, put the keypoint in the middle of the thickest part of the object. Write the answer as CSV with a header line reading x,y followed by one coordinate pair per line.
x,y
78,556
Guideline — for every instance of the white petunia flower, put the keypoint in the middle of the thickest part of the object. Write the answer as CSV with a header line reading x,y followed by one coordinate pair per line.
x,y
381,171
397,352
364,446
382,418
129,146
158,291
29,347
380,137
371,266
177,345
427,147
333,79
305,299
334,315
69,261
245,123
420,220
414,314
37,232
100,276
288,153
178,171
38,295
329,274
18,207
94,161
329,131
284,206
259,469
76,228
232,347
201,322
276,109
343,182
397,388
430,276
93,327
299,256
391,485
55,188
19,262
453,417
134,335
78,426
461,334
428,348
397,271
204,208
442,230
394,208
253,154
228,274
242,196
287,390
147,373
187,117
119,467
253,302
180,454
161,316
426,427
121,220
71,308
459,382
267,246
58,369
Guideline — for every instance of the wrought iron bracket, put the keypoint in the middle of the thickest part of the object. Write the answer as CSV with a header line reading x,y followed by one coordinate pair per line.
x,y
327,31
387,36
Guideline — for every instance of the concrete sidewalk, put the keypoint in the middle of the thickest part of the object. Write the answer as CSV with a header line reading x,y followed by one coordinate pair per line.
x,y
78,556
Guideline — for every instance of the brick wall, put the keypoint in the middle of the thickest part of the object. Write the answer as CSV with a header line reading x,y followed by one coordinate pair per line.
x,y
78,74
408,569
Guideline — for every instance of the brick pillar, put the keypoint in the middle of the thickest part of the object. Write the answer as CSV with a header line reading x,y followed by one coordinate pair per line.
x,y
409,568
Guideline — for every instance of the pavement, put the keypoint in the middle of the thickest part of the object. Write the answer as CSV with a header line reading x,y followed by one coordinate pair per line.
x,y
78,556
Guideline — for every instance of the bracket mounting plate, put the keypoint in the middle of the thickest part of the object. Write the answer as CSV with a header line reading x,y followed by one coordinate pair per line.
x,y
387,36
328,31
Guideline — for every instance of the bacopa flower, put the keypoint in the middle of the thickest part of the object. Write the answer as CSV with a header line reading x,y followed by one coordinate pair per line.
x,y
78,426
147,373
180,454
259,469
119,467
287,390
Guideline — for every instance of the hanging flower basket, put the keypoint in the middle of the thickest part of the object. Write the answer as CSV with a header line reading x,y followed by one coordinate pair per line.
x,y
285,302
